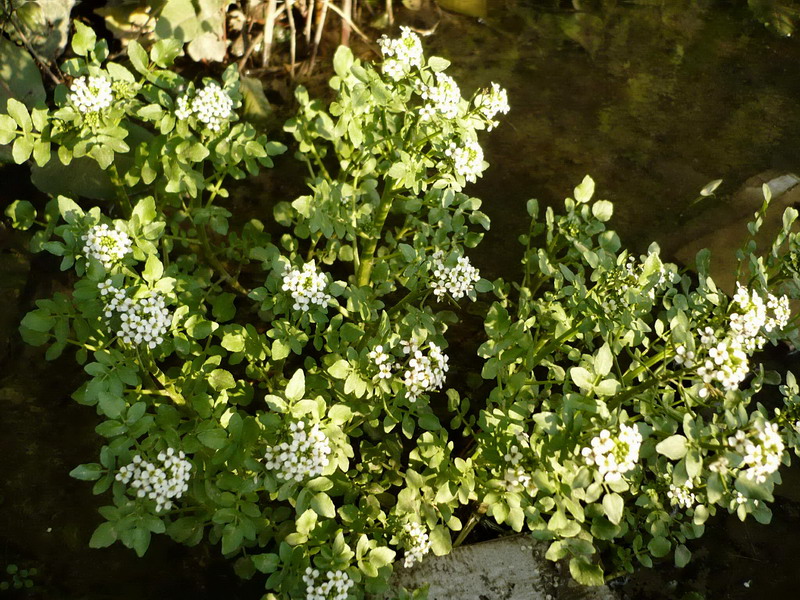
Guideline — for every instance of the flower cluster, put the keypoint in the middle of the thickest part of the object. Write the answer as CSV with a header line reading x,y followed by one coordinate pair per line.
x,y
416,542
307,286
382,360
401,54
107,245
91,94
442,98
304,456
423,373
491,102
614,456
721,361
515,477
682,495
163,484
212,106
142,320
457,281
753,317
467,159
761,455
335,586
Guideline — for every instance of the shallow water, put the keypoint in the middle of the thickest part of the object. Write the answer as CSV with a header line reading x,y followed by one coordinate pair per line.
x,y
653,99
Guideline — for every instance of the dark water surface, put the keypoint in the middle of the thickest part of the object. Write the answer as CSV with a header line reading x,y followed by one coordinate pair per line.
x,y
654,99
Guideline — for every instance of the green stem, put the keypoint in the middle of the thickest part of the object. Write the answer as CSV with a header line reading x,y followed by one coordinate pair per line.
x,y
474,519
367,259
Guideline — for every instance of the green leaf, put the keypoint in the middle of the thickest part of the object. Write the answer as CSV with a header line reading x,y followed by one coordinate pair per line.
x,y
145,210
438,64
381,556
603,361
614,506
339,369
323,505
584,192
83,40
682,553
153,269
255,105
19,112
103,536
213,438
266,563
342,61
585,572
22,149
440,541
87,472
305,523
296,388
22,214
220,379
138,56
165,51
674,447
582,378
659,546
603,210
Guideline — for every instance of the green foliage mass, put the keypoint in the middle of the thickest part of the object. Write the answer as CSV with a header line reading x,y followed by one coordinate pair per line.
x,y
232,348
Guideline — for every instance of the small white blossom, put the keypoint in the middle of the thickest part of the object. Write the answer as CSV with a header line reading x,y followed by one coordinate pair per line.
x,y
142,321
91,94
400,55
684,357
491,102
762,453
727,364
335,585
211,105
307,287
457,281
467,159
163,483
614,456
183,109
382,360
682,495
416,543
753,318
442,98
303,456
105,244
423,373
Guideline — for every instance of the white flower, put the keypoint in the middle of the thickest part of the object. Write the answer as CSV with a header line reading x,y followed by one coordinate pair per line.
x,y
614,456
382,360
107,245
162,484
682,496
401,54
211,105
416,543
763,454
91,95
467,159
334,586
442,98
491,102
753,317
727,364
303,456
306,287
183,109
143,320
423,373
457,281
684,357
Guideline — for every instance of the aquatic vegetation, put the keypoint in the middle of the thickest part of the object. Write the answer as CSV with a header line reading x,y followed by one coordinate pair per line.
x,y
279,386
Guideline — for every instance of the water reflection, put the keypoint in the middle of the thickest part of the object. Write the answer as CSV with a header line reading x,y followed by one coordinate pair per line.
x,y
654,99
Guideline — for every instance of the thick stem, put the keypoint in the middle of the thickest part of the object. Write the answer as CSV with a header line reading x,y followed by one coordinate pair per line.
x,y
367,258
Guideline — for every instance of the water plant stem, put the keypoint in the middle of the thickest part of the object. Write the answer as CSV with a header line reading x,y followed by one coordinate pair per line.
x,y
367,258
